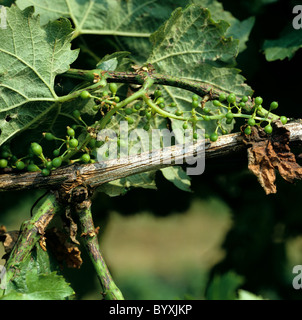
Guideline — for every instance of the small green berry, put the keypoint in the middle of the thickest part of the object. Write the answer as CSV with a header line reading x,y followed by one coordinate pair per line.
x,y
178,113
206,110
185,125
195,97
76,114
242,105
206,118
113,88
248,130
20,165
245,99
216,103
36,149
222,97
56,162
49,136
228,121
130,120
268,129
173,104
283,119
274,105
194,104
162,105
128,111
32,167
3,163
160,100
229,115
147,126
45,172
157,93
85,158
70,132
56,152
85,94
258,101
116,99
48,165
214,137
251,122
73,143
231,98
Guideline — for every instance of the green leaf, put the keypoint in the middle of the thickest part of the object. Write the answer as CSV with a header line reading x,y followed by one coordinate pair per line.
x,y
238,29
115,61
42,287
192,46
37,279
245,295
31,56
285,47
178,177
224,287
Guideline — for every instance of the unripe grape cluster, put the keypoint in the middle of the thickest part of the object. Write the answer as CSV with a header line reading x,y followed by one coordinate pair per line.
x,y
70,149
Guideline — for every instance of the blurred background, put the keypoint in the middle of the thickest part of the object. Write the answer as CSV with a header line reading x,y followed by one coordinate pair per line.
x,y
224,235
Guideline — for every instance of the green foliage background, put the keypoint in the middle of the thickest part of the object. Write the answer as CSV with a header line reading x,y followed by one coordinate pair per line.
x,y
263,242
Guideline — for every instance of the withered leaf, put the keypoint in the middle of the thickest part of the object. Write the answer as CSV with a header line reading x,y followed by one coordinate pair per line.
x,y
268,154
63,248
8,239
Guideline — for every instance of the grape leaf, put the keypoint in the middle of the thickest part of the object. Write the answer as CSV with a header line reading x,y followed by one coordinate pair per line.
x,y
285,46
178,177
31,56
192,46
128,19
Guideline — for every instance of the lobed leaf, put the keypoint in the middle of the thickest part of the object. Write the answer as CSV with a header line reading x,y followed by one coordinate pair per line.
x,y
31,56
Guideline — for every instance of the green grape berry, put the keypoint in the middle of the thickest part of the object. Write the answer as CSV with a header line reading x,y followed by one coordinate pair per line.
x,y
283,119
138,106
157,93
222,97
45,172
148,115
213,137
173,104
20,165
248,130
268,129
5,154
207,136
147,126
258,101
195,97
185,125
56,162
116,99
160,100
85,158
206,118
49,136
231,98
105,93
128,111
48,165
113,88
70,132
228,121
178,113
251,122
130,120
245,99
194,104
274,105
36,149
56,152
195,135
73,143
206,110
229,116
3,163
76,114
162,105
85,94
241,104
33,168
216,103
